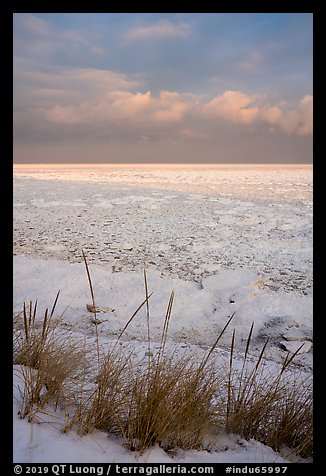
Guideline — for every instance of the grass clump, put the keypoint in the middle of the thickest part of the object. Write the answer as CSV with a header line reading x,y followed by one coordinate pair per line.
x,y
171,404
101,405
267,407
292,425
49,360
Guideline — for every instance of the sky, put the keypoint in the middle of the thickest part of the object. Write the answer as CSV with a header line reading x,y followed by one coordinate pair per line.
x,y
162,87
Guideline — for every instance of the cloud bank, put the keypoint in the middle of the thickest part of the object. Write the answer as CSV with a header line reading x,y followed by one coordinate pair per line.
x,y
105,100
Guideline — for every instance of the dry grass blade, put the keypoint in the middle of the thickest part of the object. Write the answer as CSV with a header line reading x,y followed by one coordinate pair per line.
x,y
54,304
94,306
205,360
131,318
34,312
26,326
89,282
148,321
246,354
289,359
228,406
165,328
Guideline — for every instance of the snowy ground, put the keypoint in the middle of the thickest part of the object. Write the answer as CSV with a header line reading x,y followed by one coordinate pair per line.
x,y
224,239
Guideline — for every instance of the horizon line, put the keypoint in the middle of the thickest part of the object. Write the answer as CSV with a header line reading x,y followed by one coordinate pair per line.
x,y
126,164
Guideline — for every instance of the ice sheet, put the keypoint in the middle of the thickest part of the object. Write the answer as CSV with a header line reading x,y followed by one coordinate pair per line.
x,y
259,218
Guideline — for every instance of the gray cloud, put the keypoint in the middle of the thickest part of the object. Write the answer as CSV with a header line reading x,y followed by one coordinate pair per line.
x,y
160,29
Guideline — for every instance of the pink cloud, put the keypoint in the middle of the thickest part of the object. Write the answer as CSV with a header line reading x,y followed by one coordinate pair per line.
x,y
124,106
133,111
170,107
306,115
291,118
238,108
272,114
234,106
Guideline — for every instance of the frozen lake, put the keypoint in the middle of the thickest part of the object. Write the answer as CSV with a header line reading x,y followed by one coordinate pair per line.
x,y
227,237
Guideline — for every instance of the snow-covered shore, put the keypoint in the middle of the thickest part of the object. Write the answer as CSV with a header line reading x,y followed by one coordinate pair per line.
x,y
228,248
199,312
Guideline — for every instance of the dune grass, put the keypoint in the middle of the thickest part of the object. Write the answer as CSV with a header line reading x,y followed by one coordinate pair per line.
x,y
266,406
50,361
165,399
172,402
